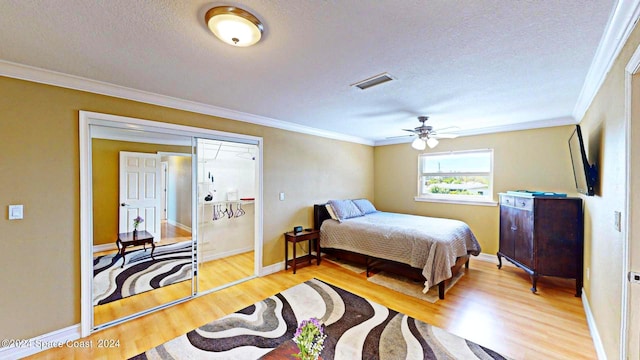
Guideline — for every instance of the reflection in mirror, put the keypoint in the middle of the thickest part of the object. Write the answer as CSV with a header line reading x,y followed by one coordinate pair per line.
x,y
142,243
227,188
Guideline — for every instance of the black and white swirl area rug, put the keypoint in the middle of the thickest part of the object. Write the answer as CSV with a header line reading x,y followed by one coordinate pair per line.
x,y
356,328
140,273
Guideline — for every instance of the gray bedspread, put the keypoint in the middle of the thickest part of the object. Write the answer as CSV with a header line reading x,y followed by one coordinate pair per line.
x,y
432,244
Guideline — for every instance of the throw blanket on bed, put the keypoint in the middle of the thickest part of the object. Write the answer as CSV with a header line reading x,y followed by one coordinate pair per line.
x,y
432,244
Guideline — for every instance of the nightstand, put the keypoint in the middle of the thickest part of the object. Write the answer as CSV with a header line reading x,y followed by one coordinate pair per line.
x,y
294,238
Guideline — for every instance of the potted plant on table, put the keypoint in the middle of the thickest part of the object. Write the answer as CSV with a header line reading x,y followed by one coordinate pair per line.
x,y
310,339
137,221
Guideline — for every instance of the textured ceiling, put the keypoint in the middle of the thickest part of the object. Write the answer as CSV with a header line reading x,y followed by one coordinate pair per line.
x,y
473,64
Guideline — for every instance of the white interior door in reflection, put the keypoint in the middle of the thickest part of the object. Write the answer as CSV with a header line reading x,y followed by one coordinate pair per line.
x,y
140,192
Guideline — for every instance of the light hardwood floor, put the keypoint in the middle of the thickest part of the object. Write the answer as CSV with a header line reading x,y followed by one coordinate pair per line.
x,y
489,306
131,305
212,274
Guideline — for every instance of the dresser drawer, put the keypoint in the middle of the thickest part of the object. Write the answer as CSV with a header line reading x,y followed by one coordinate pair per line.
x,y
523,203
507,200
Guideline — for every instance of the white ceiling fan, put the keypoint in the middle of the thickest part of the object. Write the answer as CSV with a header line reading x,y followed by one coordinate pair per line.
x,y
428,136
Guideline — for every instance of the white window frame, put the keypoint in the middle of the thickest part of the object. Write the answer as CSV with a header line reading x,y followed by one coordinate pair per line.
x,y
486,200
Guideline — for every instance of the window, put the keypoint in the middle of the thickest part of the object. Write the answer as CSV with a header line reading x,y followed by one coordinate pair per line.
x,y
457,176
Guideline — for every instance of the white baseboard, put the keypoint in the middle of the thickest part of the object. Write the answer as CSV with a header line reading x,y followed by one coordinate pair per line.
x,y
179,225
492,258
104,247
215,256
272,269
59,338
595,335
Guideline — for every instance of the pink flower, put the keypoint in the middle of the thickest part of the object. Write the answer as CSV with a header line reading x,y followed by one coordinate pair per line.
x,y
137,221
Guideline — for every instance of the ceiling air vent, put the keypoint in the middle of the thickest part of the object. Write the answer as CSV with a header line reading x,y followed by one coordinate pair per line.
x,y
373,81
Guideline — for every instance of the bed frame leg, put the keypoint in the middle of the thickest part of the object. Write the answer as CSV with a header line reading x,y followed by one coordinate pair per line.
x,y
441,290
466,264
366,261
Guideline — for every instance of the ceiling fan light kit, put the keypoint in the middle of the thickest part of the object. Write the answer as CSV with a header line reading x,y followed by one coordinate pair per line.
x,y
234,25
419,144
427,132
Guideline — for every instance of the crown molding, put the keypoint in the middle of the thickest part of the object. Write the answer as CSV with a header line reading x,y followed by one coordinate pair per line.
x,y
621,22
561,121
43,76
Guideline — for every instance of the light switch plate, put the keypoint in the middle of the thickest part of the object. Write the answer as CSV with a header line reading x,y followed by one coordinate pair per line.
x,y
16,212
617,218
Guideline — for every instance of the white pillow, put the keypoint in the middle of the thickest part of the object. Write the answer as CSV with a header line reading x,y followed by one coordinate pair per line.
x,y
331,213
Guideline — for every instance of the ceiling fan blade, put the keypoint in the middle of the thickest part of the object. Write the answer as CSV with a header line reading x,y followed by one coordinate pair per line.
x,y
427,131
445,136
400,136
448,129
446,133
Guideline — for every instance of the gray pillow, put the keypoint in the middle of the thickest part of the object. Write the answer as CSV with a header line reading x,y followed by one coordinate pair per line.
x,y
365,206
345,209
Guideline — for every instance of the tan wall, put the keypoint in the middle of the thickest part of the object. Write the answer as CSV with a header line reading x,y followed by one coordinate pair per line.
x,y
105,167
604,133
532,160
39,167
308,170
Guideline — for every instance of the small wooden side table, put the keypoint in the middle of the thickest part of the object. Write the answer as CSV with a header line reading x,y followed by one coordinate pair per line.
x,y
294,238
143,237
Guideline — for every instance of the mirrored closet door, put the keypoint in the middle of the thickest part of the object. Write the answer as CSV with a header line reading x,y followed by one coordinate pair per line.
x,y
168,212
142,217
227,187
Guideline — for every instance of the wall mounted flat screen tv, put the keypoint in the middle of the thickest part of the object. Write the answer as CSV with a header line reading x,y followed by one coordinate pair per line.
x,y
585,175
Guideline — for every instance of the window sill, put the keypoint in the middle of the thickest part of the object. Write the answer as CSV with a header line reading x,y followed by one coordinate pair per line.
x,y
457,201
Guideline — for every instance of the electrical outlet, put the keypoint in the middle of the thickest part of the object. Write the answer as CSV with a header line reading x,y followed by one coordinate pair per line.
x,y
588,275
634,277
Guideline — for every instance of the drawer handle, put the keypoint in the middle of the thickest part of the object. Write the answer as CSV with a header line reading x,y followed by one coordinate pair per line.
x,y
523,203
514,228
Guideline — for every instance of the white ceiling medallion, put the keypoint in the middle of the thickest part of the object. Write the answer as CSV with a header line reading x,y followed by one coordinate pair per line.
x,y
234,26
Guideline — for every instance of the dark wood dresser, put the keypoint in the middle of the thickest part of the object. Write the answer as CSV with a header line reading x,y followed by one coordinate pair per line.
x,y
543,236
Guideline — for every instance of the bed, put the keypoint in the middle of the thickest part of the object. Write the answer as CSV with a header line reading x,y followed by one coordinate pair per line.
x,y
427,249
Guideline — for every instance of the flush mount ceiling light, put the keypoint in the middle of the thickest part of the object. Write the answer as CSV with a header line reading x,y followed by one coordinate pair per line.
x,y
234,26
